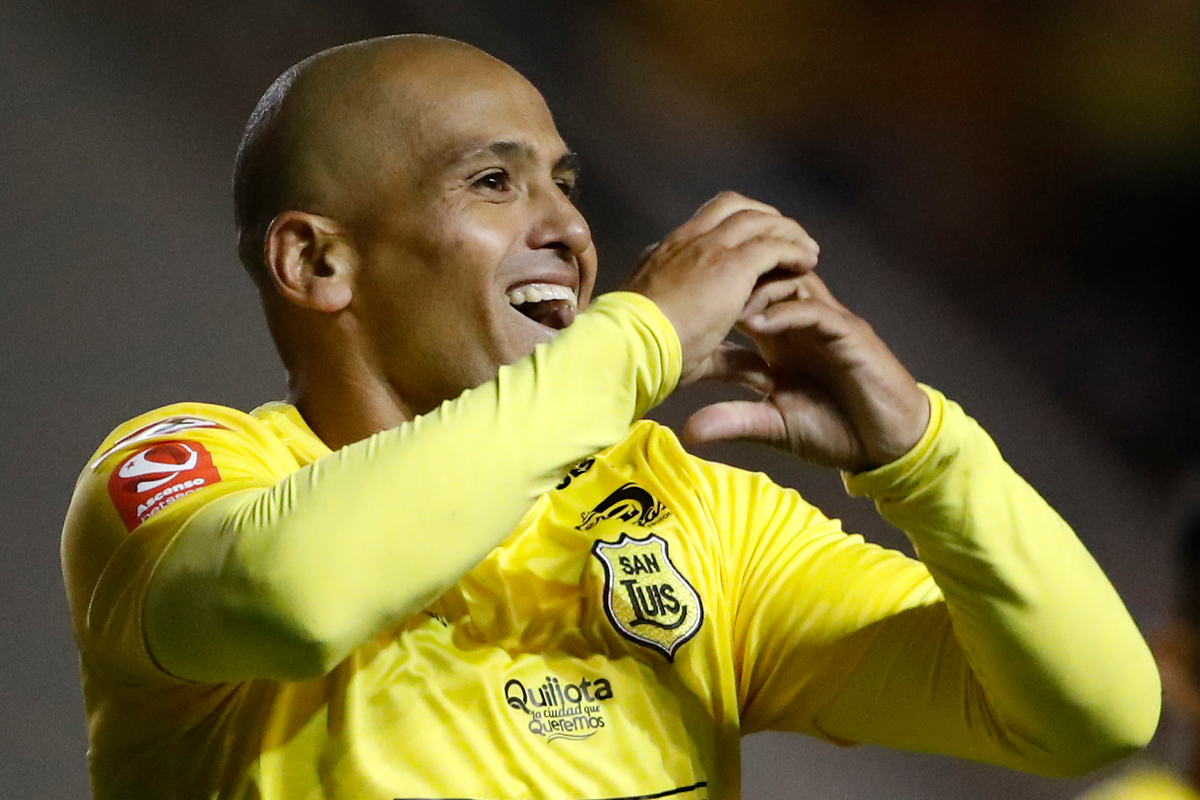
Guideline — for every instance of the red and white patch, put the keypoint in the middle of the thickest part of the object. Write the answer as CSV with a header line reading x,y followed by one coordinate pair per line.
x,y
156,476
164,427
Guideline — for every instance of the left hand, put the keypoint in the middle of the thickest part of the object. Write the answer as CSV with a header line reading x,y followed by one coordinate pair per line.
x,y
834,394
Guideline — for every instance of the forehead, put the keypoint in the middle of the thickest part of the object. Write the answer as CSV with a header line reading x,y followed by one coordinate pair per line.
x,y
452,120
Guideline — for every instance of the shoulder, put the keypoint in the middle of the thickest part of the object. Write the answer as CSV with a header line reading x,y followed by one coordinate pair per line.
x,y
156,459
656,448
651,445
203,421
652,454
145,480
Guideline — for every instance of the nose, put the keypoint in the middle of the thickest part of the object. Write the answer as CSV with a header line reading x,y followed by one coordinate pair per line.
x,y
559,225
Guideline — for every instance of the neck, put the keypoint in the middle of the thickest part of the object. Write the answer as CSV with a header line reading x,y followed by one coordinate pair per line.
x,y
333,379
345,406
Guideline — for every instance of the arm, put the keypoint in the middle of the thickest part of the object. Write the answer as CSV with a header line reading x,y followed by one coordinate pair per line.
x,y
281,573
1018,651
1031,659
282,578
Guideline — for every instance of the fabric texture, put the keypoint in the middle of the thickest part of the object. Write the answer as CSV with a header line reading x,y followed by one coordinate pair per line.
x,y
521,596
1142,782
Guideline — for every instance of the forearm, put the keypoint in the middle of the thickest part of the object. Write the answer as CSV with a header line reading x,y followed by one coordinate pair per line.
x,y
340,550
1037,662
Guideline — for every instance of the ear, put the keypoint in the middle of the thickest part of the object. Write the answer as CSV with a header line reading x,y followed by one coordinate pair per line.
x,y
310,261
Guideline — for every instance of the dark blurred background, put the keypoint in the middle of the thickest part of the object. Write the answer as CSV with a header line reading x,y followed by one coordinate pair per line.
x,y
1001,189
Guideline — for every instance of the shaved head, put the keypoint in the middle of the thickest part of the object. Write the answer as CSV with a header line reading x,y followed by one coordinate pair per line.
x,y
329,127
405,206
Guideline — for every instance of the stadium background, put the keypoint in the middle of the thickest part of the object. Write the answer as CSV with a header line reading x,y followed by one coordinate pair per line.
x,y
1001,189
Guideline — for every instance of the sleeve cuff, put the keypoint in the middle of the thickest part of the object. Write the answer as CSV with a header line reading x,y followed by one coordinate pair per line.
x,y
654,325
914,468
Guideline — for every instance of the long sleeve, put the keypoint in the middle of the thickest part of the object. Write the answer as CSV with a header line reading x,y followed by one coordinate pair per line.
x,y
1004,643
278,572
1040,667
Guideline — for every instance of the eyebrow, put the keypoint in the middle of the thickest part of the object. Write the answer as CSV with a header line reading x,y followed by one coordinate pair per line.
x,y
519,151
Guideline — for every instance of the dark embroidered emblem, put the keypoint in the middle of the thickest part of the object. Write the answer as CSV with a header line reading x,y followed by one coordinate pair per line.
x,y
575,471
631,503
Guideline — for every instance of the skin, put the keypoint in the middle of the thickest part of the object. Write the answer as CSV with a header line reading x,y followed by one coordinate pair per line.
x,y
426,179
393,299
1176,648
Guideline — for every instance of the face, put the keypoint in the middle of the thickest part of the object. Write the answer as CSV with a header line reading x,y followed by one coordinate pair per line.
x,y
470,249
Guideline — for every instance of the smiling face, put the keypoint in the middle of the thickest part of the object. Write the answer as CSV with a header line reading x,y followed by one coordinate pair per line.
x,y
469,249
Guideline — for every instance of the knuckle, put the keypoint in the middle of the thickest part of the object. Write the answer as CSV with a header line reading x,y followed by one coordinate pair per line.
x,y
731,199
798,228
648,252
858,324
746,222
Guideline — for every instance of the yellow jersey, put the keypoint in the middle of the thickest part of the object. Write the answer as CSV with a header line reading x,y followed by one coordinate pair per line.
x,y
1143,782
520,595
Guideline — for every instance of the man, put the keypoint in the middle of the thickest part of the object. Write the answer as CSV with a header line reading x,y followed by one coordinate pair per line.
x,y
451,568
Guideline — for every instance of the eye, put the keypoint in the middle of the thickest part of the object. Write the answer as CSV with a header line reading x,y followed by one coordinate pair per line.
x,y
495,180
567,186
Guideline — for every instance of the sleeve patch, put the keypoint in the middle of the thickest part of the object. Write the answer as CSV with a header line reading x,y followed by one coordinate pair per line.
x,y
157,475
164,427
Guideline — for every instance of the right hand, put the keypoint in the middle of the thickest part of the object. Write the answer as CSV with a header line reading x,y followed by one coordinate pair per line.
x,y
702,275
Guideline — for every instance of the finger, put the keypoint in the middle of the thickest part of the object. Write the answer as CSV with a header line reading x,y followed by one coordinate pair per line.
x,y
726,225
724,205
766,253
732,363
817,288
736,419
810,314
770,291
749,224
646,252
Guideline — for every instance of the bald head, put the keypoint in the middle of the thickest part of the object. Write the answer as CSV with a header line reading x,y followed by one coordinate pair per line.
x,y
393,198
332,125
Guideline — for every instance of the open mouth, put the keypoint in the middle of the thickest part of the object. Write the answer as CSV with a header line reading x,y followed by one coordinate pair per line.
x,y
549,304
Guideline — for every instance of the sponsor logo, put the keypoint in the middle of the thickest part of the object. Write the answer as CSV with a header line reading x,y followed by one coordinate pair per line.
x,y
164,427
558,710
630,503
575,471
158,475
646,597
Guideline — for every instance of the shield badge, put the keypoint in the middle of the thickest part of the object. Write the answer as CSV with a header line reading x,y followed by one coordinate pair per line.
x,y
646,597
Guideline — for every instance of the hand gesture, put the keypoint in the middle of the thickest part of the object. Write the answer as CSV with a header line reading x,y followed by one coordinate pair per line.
x,y
702,275
834,394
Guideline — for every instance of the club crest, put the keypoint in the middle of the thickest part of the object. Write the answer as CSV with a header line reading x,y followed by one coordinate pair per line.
x,y
630,503
645,597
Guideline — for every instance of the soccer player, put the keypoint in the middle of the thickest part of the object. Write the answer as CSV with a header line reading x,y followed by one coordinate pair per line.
x,y
457,564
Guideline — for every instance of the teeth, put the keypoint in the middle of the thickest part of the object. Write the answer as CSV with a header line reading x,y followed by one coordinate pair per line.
x,y
539,292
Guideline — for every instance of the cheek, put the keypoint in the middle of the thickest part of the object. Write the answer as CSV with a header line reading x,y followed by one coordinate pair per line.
x,y
588,269
476,240
449,252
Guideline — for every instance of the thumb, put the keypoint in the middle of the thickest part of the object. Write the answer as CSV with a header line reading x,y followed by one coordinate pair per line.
x,y
736,419
732,363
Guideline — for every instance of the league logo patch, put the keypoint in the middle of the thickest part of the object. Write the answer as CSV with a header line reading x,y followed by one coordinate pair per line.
x,y
630,503
157,475
164,427
645,597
